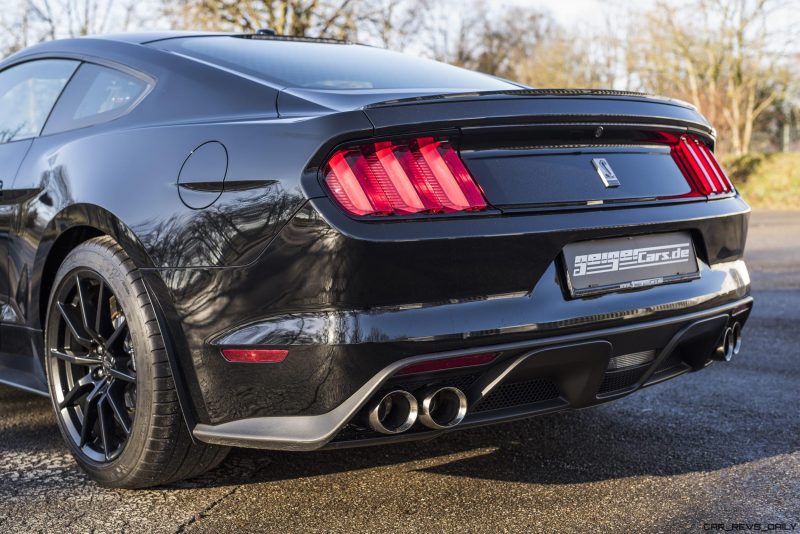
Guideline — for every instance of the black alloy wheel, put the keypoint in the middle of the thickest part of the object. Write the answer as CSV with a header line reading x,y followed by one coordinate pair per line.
x,y
110,377
92,366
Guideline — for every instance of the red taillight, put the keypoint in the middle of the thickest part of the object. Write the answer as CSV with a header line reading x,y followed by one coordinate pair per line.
x,y
448,363
699,166
423,175
254,355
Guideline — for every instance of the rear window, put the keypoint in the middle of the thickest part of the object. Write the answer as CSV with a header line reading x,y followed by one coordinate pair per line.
x,y
329,66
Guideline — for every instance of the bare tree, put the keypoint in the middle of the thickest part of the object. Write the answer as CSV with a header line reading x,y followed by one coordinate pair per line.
x,y
491,41
31,21
389,23
328,18
393,24
16,28
722,59
526,44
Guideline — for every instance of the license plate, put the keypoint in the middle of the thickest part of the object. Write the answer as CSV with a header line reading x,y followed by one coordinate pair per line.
x,y
629,263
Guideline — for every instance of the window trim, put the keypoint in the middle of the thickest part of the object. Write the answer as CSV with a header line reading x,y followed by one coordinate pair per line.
x,y
148,78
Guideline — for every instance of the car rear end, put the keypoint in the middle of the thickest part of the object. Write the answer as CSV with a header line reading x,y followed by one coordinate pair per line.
x,y
486,257
474,258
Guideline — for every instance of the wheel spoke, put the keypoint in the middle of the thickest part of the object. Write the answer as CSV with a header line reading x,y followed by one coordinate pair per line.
x,y
88,312
77,391
90,414
120,413
121,327
123,374
101,305
73,321
104,430
74,358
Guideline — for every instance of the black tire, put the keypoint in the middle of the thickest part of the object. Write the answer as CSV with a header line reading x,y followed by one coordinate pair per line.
x,y
111,372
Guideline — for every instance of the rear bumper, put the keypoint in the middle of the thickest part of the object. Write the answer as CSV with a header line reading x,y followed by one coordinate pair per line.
x,y
349,299
576,364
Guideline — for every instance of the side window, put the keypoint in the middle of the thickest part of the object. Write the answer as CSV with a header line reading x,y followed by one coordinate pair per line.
x,y
27,94
96,94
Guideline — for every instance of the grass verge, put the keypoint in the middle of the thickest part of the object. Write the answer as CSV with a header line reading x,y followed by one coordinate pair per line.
x,y
770,181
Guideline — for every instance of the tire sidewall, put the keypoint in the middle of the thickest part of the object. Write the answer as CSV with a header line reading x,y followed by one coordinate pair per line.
x,y
110,268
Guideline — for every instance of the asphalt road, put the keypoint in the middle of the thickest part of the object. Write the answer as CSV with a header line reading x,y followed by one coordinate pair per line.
x,y
720,446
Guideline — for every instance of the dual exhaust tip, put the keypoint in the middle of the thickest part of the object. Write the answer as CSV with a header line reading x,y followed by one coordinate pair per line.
x,y
441,408
731,343
397,411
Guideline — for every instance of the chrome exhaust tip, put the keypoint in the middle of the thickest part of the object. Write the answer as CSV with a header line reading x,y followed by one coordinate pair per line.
x,y
393,413
443,408
736,334
724,352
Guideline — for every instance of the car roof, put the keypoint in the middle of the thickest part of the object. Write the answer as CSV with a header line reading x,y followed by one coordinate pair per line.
x,y
93,44
150,37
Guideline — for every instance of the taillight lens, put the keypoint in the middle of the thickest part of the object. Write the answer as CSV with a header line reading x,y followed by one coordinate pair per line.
x,y
699,166
422,175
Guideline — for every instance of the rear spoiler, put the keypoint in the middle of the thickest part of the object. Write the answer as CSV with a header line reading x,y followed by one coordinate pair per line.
x,y
529,93
532,106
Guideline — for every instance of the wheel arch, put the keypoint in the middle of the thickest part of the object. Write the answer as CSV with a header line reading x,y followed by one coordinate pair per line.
x,y
72,226
79,223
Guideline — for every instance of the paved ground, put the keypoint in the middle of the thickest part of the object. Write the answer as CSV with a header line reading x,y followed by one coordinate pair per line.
x,y
722,446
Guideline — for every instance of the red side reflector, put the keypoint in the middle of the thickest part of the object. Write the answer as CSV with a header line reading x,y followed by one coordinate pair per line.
x,y
423,175
448,363
254,355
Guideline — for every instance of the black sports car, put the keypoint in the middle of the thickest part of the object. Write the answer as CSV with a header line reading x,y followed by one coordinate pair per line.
x,y
215,240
